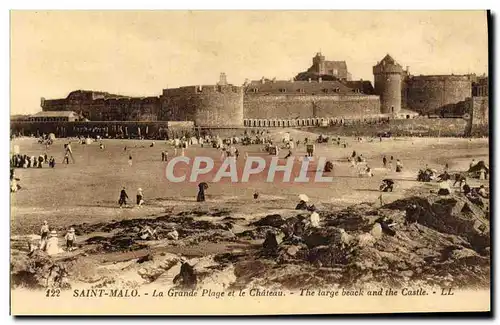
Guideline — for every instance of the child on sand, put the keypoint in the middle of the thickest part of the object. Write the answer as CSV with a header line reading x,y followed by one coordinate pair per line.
x,y
140,196
70,239
52,162
52,246
44,234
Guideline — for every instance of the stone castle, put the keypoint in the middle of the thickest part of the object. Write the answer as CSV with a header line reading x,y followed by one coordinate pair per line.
x,y
322,94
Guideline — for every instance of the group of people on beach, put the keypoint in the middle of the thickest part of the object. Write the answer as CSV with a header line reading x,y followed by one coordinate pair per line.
x,y
49,241
25,161
122,201
357,160
389,164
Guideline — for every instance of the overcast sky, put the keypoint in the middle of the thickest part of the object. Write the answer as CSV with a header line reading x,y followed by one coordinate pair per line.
x,y
140,53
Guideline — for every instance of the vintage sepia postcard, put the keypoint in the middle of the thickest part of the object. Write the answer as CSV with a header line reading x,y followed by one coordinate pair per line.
x,y
249,162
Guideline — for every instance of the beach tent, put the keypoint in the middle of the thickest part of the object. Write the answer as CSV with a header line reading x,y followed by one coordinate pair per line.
x,y
475,171
477,167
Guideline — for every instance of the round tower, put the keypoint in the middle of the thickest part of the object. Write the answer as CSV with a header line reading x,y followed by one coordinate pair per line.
x,y
388,75
319,63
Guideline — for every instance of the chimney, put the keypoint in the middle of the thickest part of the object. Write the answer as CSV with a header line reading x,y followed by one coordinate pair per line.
x,y
309,80
320,79
263,80
408,69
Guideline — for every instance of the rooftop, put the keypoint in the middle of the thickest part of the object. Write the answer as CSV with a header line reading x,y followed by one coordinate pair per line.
x,y
277,86
54,114
18,117
98,93
388,60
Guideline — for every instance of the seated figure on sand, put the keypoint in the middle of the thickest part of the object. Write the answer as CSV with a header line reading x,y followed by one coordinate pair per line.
x,y
52,246
302,205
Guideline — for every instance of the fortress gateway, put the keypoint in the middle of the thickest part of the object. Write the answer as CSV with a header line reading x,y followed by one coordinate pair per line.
x,y
324,93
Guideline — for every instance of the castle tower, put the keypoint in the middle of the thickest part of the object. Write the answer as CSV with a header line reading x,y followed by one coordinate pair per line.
x,y
222,79
319,63
388,74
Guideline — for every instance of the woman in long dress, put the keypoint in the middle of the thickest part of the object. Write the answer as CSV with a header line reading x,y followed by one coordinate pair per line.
x,y
201,192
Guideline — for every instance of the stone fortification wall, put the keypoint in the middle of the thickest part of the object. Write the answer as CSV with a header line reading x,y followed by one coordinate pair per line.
x,y
431,93
306,106
213,106
433,127
107,109
117,129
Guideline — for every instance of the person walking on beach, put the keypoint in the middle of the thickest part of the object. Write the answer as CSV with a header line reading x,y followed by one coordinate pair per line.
x,y
399,166
123,198
69,152
66,158
52,162
130,160
201,192
384,161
